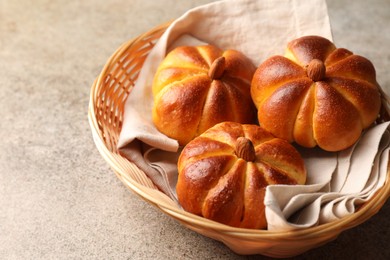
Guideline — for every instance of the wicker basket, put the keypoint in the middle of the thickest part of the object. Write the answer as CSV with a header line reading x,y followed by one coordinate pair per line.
x,y
108,96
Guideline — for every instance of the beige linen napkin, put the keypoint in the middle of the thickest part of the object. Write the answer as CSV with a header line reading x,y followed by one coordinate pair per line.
x,y
259,29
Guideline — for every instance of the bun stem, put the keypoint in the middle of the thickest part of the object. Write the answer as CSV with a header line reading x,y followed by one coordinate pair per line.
x,y
217,68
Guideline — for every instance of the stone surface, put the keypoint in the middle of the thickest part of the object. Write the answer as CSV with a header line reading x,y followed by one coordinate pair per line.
x,y
58,197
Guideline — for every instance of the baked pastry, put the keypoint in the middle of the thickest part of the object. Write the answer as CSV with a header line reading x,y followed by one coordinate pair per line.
x,y
316,94
196,87
223,173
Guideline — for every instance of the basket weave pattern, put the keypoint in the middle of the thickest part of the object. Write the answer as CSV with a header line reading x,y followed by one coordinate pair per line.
x,y
106,108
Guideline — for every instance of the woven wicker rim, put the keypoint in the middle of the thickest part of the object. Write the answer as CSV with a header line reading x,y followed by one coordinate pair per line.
x,y
105,140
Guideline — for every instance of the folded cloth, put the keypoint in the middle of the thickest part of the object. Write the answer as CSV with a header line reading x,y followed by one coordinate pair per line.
x,y
319,201
259,29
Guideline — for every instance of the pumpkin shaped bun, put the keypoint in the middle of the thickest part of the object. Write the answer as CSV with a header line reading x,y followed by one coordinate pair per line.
x,y
316,94
196,87
223,173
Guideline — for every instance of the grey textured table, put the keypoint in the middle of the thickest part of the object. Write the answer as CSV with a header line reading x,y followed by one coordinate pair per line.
x,y
58,197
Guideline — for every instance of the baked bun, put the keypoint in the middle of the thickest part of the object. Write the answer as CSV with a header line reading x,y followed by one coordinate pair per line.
x,y
196,87
316,94
223,173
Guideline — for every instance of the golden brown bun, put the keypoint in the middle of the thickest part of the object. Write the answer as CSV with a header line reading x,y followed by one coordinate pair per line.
x,y
223,176
317,94
196,87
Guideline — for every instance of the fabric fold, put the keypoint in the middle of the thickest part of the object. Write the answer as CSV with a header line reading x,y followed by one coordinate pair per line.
x,y
311,205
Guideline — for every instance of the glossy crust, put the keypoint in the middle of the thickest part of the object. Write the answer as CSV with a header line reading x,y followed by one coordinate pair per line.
x,y
331,112
187,101
214,182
